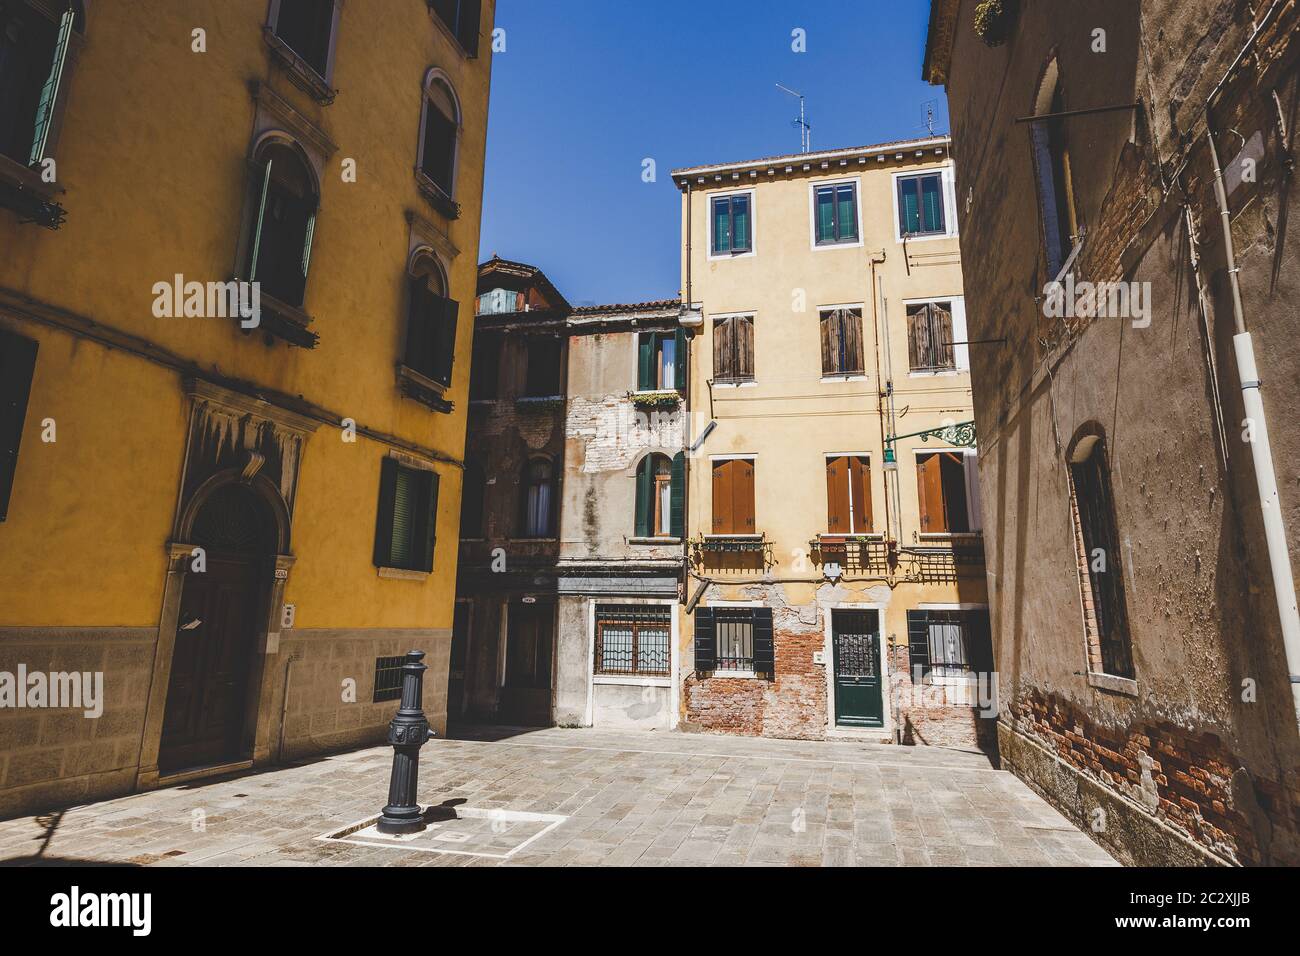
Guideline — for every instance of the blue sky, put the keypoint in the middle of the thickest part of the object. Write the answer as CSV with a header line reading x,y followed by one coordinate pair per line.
x,y
587,89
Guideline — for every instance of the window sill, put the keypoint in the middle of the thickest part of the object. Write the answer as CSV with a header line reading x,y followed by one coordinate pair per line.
x,y
301,73
724,256
404,574
925,237
742,675
935,372
423,389
838,244
632,680
527,540
951,535
436,196
654,540
747,383
846,377
851,537
23,192
1120,685
287,322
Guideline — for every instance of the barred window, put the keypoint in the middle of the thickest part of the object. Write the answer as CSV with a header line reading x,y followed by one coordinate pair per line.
x,y
633,639
388,678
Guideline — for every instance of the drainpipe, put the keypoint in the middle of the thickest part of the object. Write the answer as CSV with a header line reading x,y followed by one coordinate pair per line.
x,y
877,258
1260,450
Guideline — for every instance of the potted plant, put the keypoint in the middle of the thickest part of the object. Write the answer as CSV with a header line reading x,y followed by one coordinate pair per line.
x,y
994,20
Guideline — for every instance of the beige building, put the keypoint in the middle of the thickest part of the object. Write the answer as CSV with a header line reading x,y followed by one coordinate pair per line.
x,y
833,508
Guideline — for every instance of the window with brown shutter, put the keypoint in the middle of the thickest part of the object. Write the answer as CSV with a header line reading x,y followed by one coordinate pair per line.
x,y
841,332
941,493
848,494
860,492
733,349
929,337
733,496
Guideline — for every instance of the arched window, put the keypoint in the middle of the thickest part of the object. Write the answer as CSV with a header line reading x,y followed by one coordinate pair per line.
x,y
34,44
660,483
285,222
307,28
1096,540
1052,171
430,321
439,133
473,492
537,501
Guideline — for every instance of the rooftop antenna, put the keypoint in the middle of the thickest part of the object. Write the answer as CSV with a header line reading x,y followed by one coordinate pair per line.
x,y
929,106
805,128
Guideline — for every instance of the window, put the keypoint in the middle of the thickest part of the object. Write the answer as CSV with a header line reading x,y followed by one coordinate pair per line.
x,y
841,331
17,366
286,201
848,494
461,18
307,28
733,349
1101,576
1052,172
633,639
660,484
836,217
929,337
472,495
388,678
730,223
949,643
660,365
537,503
439,126
408,517
543,375
33,71
733,496
484,364
430,323
498,301
948,492
734,639
920,205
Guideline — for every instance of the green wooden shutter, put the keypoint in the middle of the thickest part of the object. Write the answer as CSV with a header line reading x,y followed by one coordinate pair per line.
x,y
846,214
764,642
306,245
645,375
740,224
918,642
706,641
721,225
50,91
826,215
677,497
679,360
406,505
430,537
384,519
644,496
17,365
445,356
257,226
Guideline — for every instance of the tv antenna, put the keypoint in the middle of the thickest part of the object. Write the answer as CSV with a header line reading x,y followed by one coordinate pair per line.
x,y
805,128
929,107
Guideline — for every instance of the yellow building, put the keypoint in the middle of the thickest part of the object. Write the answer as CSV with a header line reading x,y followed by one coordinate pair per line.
x,y
833,504
233,382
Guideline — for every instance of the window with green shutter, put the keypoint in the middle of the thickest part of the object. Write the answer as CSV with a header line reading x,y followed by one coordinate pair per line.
x,y
406,525
660,496
836,213
920,205
35,40
730,225
660,361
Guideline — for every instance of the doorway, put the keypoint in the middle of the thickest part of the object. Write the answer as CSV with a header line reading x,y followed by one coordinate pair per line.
x,y
855,648
530,649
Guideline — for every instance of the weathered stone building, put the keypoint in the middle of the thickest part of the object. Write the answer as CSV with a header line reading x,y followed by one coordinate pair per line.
x,y
1140,475
573,519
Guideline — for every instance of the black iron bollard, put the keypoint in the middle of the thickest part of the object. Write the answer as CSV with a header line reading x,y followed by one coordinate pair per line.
x,y
407,732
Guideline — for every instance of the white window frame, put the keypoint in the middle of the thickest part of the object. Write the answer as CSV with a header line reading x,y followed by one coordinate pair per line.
x,y
712,320
431,76
974,509
827,456
968,681
753,224
960,353
813,186
751,537
862,308
948,184
636,362
721,672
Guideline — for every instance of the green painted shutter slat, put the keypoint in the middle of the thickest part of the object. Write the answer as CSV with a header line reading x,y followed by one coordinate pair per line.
x,y
445,358
50,91
644,495
740,224
645,375
918,642
677,496
764,642
384,517
706,640
257,229
679,360
825,215
721,225
306,245
17,366
430,537
405,508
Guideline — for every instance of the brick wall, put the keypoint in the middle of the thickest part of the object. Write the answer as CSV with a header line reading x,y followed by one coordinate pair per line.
x,y
936,716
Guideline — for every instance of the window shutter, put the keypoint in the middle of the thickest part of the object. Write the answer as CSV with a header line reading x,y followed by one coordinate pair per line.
x,y
406,505
679,360
739,223
851,331
257,228
764,642
50,91
742,496
447,312
706,640
306,245
929,473
941,336
722,510
846,215
645,374
918,642
430,538
837,496
384,519
743,338
860,485
644,496
677,497
17,366
723,350
467,26
825,215
830,343
721,225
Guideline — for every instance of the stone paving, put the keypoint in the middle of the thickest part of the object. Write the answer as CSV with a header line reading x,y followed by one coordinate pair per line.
x,y
556,797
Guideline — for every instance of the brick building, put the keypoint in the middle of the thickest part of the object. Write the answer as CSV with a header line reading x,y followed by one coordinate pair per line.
x,y
1141,492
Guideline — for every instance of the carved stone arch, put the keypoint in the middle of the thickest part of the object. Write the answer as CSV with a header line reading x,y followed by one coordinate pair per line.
x,y
437,77
262,487
280,137
426,253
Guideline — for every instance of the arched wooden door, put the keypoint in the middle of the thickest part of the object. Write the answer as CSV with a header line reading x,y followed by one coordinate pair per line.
x,y
216,635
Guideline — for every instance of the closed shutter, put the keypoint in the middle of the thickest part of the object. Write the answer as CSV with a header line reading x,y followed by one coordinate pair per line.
x,y
49,99
445,350
679,360
742,496
645,369
430,512
851,333
706,641
918,642
406,505
677,497
740,224
644,495
764,642
860,487
830,343
724,350
941,337
17,366
384,517
722,495
918,337
744,346
837,496
467,26
929,489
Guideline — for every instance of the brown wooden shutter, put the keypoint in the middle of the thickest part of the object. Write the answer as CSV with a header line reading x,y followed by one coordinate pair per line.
x,y
830,343
941,336
744,345
722,511
860,483
852,332
918,336
723,350
929,487
837,496
742,496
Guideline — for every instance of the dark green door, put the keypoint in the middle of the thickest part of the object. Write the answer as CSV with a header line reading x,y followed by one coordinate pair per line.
x,y
855,645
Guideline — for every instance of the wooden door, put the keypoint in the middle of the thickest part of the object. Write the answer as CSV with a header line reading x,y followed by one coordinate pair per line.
x,y
855,645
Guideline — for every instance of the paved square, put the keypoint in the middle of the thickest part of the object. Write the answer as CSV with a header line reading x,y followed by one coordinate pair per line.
x,y
585,798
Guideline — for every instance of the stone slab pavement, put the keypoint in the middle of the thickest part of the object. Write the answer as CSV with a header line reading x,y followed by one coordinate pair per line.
x,y
560,797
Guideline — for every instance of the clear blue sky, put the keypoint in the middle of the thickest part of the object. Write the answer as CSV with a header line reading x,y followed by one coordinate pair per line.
x,y
587,89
